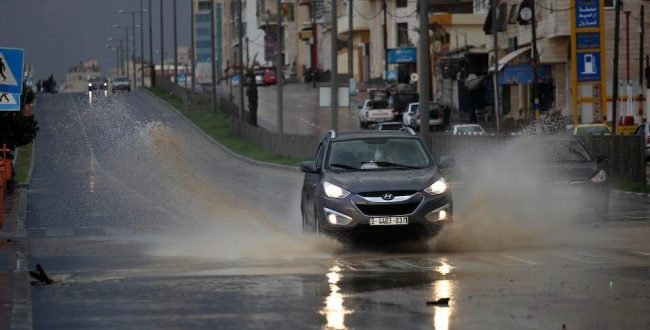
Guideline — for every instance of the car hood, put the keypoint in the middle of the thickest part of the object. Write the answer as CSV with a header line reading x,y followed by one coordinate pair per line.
x,y
366,181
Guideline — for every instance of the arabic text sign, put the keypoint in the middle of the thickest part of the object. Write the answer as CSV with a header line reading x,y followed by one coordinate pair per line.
x,y
588,40
587,13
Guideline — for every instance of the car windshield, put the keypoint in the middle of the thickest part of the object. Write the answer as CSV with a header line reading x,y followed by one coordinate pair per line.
x,y
121,79
370,154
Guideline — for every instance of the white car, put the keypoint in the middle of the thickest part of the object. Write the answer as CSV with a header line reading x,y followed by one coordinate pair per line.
x,y
436,119
408,117
466,129
374,112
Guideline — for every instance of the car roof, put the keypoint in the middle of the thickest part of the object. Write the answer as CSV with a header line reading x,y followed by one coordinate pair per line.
x,y
591,125
373,134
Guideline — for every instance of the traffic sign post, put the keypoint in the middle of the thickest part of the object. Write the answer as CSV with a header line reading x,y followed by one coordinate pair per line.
x,y
11,78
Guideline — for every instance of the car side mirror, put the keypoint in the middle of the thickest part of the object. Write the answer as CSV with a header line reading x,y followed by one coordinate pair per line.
x,y
309,167
446,162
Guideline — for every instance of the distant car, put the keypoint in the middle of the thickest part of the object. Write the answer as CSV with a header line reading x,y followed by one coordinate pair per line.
x,y
97,83
374,182
409,115
436,117
372,112
269,77
259,76
388,126
466,129
592,129
121,84
644,131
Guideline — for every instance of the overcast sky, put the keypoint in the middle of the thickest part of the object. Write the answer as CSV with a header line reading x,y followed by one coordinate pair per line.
x,y
58,34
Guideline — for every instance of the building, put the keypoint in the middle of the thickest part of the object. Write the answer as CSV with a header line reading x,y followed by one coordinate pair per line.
x,y
76,80
554,49
202,37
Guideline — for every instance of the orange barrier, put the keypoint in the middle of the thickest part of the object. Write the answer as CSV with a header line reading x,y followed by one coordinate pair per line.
x,y
2,195
6,160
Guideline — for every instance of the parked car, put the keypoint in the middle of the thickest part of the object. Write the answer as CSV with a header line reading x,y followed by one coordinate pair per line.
x,y
374,112
121,83
388,126
644,131
97,82
436,117
466,129
570,172
399,101
269,77
592,129
409,115
372,182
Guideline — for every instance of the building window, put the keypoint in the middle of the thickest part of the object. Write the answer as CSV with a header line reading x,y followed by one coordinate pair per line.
x,y
203,18
203,44
204,5
609,4
401,3
402,34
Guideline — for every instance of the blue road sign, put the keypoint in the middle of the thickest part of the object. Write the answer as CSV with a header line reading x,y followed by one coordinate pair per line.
x,y
588,40
588,66
9,102
587,13
181,78
11,70
402,55
391,75
235,80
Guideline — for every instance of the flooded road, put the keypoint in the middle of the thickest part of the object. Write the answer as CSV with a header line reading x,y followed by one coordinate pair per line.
x,y
146,224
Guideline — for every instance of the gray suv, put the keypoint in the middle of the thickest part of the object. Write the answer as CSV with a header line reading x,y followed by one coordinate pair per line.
x,y
372,182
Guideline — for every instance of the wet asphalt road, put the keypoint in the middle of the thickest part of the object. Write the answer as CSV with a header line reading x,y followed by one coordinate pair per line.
x,y
145,224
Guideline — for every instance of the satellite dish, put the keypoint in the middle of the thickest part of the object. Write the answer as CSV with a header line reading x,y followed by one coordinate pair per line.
x,y
472,81
414,77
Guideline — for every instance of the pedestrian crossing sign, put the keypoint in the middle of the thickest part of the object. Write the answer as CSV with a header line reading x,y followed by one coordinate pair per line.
x,y
11,71
9,102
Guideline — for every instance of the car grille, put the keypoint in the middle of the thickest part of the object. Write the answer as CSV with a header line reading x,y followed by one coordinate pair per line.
x,y
388,209
395,193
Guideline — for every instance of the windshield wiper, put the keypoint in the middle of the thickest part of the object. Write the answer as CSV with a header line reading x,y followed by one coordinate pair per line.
x,y
395,165
347,167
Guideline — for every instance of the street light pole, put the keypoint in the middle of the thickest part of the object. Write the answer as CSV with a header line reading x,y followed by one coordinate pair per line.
x,y
135,80
141,45
240,58
213,63
175,46
192,58
335,71
162,43
152,68
279,74
424,72
126,42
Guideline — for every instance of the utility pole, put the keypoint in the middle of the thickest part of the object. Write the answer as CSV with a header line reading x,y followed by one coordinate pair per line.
x,y
192,58
213,59
162,43
135,80
424,72
335,70
384,8
350,41
535,59
152,67
641,44
495,78
175,46
240,58
278,65
141,44
617,39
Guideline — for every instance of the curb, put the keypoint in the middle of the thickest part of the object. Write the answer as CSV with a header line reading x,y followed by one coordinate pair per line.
x,y
636,195
217,143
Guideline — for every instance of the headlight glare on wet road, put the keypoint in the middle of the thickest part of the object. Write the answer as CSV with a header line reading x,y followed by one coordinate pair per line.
x,y
334,191
437,187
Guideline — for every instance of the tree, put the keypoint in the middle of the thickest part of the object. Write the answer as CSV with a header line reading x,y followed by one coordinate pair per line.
x,y
16,129
253,96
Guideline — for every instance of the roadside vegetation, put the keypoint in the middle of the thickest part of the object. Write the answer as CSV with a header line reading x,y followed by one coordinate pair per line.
x,y
217,125
23,162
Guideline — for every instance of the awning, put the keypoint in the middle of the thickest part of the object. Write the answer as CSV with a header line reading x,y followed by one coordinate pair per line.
x,y
509,57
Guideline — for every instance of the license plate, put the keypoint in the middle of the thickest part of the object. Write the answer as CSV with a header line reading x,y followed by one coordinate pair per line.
x,y
389,221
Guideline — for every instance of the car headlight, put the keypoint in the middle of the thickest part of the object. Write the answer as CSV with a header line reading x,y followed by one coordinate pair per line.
x,y
105,84
437,187
90,84
334,191
601,176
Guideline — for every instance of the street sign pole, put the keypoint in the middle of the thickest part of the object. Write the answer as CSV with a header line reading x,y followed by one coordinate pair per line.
x,y
11,78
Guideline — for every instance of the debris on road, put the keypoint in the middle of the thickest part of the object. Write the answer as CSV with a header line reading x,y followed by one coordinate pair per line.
x,y
439,302
40,275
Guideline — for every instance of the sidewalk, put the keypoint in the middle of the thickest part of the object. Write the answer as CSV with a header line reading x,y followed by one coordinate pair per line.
x,y
15,290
